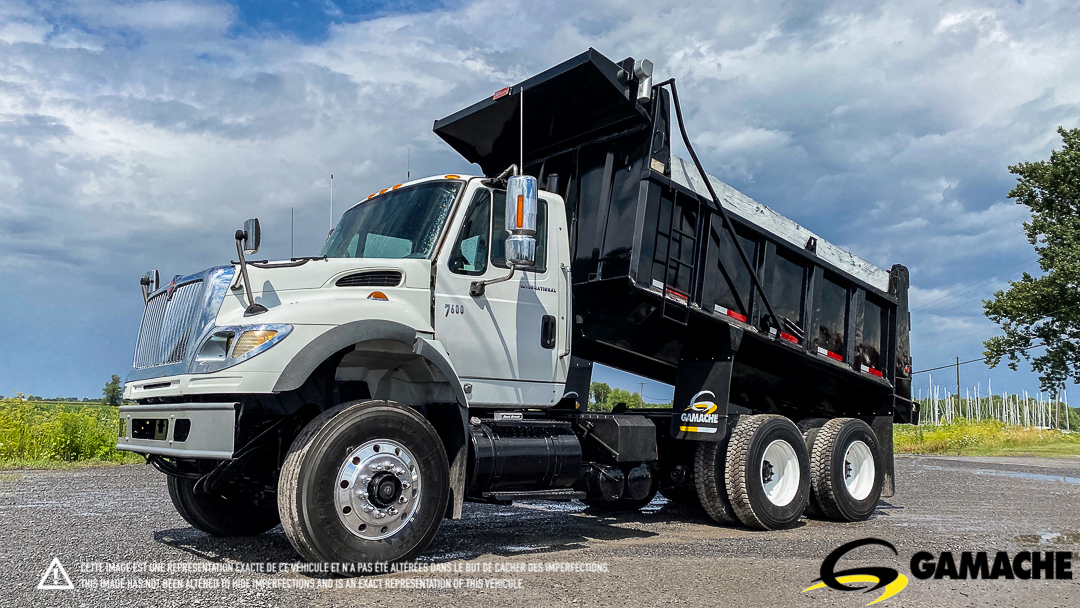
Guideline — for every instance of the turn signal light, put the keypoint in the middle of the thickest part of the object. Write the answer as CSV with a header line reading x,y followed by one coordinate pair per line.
x,y
250,340
378,295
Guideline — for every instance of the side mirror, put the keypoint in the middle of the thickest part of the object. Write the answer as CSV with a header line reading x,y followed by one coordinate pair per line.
x,y
521,192
150,282
252,236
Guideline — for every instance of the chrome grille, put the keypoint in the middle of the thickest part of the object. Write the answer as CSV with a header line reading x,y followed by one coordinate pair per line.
x,y
167,326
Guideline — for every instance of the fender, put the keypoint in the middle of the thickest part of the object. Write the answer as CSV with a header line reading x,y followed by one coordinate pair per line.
x,y
455,424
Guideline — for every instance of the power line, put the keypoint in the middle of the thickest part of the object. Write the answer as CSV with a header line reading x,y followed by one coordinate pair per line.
x,y
934,369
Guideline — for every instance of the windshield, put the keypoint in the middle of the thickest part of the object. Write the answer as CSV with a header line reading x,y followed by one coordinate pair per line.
x,y
402,223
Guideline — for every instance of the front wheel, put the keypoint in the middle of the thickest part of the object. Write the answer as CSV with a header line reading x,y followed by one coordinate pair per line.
x,y
364,482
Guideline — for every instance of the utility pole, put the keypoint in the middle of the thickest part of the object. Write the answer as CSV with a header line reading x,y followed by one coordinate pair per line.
x,y
641,389
958,407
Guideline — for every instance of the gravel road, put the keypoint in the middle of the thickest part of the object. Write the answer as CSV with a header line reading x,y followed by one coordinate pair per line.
x,y
98,521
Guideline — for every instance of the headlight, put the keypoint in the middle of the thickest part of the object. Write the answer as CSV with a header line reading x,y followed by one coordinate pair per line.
x,y
252,339
228,346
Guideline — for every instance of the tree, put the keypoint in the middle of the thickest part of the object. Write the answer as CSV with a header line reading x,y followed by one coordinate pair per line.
x,y
1045,310
600,392
113,392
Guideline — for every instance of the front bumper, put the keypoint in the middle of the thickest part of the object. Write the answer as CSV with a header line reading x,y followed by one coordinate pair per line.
x,y
179,430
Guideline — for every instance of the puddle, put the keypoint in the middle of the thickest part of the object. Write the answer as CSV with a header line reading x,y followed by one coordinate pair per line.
x,y
1012,474
1049,538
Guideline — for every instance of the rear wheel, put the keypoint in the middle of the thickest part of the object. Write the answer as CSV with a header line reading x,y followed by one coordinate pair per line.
x,y
710,464
364,482
233,514
846,470
768,472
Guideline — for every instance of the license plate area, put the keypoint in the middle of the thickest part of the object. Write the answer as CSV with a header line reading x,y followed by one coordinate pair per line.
x,y
150,428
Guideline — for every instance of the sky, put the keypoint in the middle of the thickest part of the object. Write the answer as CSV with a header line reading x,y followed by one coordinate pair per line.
x,y
139,135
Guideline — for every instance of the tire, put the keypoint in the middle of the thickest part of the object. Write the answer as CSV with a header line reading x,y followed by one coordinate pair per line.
x,y
221,515
810,428
376,454
710,464
768,472
846,470
682,495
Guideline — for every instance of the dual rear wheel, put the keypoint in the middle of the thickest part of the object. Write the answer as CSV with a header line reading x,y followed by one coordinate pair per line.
x,y
767,472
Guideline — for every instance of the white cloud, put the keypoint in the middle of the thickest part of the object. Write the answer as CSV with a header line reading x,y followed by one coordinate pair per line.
x,y
140,134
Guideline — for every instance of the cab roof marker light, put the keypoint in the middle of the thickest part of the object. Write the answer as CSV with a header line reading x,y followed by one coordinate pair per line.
x,y
396,187
452,176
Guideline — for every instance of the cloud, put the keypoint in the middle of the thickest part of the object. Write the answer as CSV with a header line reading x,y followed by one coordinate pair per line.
x,y
139,135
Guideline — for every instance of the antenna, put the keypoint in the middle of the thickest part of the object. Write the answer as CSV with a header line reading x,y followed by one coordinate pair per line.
x,y
292,232
408,165
521,133
331,202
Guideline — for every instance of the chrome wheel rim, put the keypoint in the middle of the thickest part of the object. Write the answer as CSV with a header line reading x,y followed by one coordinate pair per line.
x,y
377,489
780,473
859,470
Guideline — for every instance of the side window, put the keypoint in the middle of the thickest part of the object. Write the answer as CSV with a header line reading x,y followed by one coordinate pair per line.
x,y
498,234
470,253
786,287
830,310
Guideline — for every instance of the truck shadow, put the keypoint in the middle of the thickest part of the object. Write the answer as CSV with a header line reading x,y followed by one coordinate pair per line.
x,y
504,531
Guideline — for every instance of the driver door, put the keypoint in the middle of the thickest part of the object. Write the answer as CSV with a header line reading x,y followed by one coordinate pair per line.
x,y
502,343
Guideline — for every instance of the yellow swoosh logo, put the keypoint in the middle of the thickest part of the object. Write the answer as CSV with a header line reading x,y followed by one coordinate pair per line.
x,y
890,590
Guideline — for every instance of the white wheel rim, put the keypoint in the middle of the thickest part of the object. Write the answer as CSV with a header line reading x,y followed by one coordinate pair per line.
x,y
859,471
377,489
780,473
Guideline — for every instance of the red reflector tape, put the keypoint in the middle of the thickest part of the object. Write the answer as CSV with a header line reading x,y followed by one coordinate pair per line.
x,y
875,372
735,315
503,92
789,337
833,355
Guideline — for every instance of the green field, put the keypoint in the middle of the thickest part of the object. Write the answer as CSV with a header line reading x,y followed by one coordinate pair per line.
x,y
50,435
984,438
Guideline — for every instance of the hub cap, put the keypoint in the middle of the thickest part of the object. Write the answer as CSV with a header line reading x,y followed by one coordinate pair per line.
x,y
780,473
859,471
378,489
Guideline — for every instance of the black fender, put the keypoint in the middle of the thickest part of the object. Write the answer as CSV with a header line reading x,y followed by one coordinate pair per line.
x,y
452,423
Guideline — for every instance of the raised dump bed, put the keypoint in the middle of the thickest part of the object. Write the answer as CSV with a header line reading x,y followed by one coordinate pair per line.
x,y
659,286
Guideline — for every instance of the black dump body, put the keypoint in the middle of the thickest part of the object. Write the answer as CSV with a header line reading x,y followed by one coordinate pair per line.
x,y
659,289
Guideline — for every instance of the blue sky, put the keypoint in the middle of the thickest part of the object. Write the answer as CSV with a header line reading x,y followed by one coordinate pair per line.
x,y
139,135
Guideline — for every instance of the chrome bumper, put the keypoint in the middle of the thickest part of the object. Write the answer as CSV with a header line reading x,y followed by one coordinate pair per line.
x,y
179,430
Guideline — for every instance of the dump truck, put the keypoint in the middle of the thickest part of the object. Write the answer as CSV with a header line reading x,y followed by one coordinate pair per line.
x,y
440,348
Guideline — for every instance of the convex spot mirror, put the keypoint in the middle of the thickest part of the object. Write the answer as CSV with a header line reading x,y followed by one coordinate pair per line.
x,y
252,236
521,193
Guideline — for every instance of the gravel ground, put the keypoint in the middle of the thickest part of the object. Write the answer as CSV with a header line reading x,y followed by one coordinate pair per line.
x,y
666,554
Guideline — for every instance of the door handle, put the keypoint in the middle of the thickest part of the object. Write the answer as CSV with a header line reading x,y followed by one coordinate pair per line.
x,y
569,319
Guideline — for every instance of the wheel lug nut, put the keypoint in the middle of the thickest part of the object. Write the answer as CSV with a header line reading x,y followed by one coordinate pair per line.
x,y
368,508
391,511
405,485
399,471
379,514
403,499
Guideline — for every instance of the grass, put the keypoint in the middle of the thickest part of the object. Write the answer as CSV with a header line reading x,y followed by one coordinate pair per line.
x,y
49,435
984,438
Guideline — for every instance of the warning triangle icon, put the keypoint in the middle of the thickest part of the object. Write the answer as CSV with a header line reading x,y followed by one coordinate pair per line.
x,y
55,577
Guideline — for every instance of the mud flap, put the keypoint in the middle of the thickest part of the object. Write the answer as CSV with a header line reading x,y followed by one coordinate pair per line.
x,y
702,384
